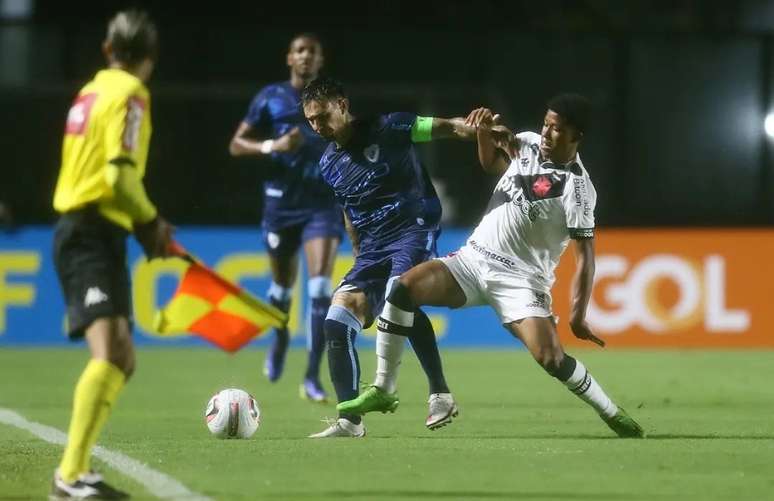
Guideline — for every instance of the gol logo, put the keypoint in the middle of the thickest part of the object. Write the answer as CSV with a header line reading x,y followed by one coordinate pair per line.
x,y
632,299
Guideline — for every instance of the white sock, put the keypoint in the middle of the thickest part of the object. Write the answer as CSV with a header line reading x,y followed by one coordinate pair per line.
x,y
586,387
389,350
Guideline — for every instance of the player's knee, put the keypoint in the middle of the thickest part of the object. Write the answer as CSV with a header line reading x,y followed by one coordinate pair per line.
x,y
340,327
319,287
401,294
551,361
121,346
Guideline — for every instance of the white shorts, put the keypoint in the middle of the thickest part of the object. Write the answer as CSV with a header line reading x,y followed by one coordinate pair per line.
x,y
485,282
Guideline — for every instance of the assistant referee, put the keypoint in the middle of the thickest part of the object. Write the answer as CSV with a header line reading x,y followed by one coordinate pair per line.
x,y
101,199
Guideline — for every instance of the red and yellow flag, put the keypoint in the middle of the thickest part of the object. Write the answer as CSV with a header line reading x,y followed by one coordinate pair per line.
x,y
213,308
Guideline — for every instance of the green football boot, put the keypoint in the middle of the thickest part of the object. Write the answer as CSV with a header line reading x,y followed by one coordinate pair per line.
x,y
372,399
623,425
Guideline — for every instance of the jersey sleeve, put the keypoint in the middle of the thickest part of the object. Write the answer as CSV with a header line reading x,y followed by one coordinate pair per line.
x,y
127,131
400,125
528,143
579,200
257,115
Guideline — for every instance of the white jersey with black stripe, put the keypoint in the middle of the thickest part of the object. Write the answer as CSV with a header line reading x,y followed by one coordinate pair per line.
x,y
535,209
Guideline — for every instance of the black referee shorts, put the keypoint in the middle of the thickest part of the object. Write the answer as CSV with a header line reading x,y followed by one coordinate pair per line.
x,y
90,260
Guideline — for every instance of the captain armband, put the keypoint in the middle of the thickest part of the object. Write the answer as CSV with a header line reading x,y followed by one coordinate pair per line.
x,y
421,131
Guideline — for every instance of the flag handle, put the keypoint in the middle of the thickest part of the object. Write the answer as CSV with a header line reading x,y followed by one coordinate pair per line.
x,y
177,250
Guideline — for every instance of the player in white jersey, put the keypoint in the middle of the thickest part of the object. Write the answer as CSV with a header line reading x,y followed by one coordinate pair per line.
x,y
543,200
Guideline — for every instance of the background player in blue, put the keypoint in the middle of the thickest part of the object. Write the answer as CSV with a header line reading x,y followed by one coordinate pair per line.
x,y
392,215
299,208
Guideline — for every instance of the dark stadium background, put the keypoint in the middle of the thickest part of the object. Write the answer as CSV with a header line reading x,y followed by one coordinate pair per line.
x,y
681,89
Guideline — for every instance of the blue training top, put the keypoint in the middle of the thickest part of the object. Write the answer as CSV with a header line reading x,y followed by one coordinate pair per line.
x,y
380,182
274,111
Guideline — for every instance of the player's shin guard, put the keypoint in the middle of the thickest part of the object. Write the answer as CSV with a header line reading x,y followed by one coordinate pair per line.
x,y
319,289
395,322
389,351
341,328
577,378
95,394
279,297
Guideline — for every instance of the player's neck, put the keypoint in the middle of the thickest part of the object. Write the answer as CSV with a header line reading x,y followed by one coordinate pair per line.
x,y
135,70
565,159
346,132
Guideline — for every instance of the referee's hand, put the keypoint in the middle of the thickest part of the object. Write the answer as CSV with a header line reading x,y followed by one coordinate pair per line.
x,y
154,237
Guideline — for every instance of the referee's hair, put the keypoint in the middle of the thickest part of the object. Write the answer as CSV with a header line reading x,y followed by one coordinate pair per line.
x,y
574,109
323,89
132,36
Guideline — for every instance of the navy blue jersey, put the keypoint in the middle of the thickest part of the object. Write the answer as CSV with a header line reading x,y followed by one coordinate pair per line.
x,y
274,111
379,181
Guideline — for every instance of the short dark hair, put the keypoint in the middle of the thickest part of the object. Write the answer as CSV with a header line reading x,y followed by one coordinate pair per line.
x,y
132,36
307,34
574,109
323,89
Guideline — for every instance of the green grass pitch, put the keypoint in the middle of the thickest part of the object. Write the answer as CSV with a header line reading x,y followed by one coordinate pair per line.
x,y
520,434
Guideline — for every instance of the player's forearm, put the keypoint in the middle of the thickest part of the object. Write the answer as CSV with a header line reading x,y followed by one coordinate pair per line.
x,y
583,281
454,128
241,146
488,154
129,193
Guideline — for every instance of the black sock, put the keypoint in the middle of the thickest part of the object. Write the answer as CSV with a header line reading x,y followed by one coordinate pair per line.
x,y
341,328
281,335
565,368
317,345
426,348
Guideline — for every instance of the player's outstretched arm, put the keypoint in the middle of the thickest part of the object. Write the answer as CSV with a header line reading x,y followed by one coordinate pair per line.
x,y
431,128
495,142
581,290
241,144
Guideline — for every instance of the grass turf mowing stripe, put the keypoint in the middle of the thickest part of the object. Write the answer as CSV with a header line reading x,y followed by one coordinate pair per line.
x,y
157,483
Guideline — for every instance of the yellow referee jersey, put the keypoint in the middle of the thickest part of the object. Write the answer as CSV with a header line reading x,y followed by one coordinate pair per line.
x,y
108,128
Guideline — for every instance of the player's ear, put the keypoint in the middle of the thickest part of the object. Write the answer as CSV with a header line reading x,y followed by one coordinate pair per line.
x,y
343,104
288,60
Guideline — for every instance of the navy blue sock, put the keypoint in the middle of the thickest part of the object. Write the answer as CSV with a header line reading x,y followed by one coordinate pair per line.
x,y
281,337
341,329
426,348
317,336
279,346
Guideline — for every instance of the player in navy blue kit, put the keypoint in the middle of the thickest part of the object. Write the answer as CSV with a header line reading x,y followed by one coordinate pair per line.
x,y
392,214
299,207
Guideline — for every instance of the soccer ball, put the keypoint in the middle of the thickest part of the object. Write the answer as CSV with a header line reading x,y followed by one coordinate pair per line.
x,y
232,413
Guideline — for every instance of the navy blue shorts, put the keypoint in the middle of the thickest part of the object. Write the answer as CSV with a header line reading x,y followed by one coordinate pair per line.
x,y
374,268
284,234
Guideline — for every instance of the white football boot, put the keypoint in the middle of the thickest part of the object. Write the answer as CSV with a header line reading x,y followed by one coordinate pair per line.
x,y
341,428
442,410
87,486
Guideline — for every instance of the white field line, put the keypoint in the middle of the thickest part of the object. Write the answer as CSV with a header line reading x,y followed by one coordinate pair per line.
x,y
160,485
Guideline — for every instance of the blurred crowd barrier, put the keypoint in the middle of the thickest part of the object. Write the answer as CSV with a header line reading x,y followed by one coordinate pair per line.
x,y
659,288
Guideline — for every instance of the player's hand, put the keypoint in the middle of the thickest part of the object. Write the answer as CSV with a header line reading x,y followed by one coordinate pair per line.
x,y
582,330
290,142
155,237
482,117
